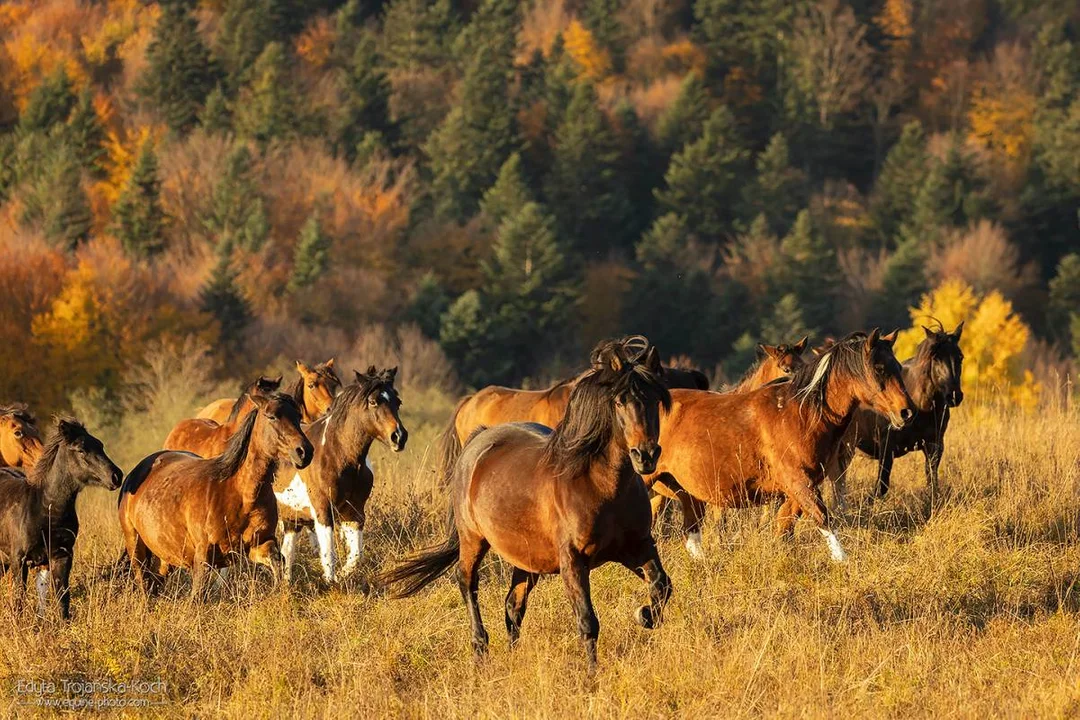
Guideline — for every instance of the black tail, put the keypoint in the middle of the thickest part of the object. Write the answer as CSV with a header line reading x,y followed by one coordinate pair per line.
x,y
450,446
421,569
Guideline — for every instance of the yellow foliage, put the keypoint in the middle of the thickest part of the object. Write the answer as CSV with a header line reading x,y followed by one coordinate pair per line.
x,y
316,42
581,46
121,150
1002,122
125,18
993,340
894,21
685,56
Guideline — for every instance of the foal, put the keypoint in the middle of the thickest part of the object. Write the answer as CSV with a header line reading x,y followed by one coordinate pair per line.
x,y
739,449
179,510
562,501
20,441
38,523
932,378
334,488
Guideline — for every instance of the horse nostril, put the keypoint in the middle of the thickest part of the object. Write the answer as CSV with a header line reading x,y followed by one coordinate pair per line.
x,y
905,414
635,454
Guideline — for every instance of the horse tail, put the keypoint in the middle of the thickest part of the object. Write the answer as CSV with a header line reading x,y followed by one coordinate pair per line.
x,y
423,568
450,445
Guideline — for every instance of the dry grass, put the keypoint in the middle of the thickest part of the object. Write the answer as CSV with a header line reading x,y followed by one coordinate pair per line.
x,y
971,611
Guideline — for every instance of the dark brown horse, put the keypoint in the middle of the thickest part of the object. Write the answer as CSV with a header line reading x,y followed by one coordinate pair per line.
x,y
334,489
20,441
774,362
932,379
180,510
739,449
562,501
314,389
38,522
208,438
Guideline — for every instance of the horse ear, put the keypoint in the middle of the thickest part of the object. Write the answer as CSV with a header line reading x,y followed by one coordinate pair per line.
x,y
652,360
276,382
800,347
769,350
890,338
68,429
871,339
929,333
302,368
391,374
615,361
958,331
330,363
372,370
359,375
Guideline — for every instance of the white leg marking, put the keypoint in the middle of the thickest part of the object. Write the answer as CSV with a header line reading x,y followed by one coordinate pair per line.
x,y
693,545
288,551
354,541
327,555
837,552
42,583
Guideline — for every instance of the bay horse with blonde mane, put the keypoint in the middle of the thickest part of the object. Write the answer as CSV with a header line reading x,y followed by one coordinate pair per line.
x,y
933,379
20,440
334,489
741,449
560,501
180,510
314,389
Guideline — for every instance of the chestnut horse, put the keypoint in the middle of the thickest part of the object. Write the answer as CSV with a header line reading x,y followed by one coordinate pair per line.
x,y
229,410
38,522
314,389
208,438
932,379
20,441
333,490
739,449
180,510
562,501
774,362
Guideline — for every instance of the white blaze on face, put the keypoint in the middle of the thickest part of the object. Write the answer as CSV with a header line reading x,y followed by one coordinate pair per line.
x,y
295,496
838,554
385,396
41,584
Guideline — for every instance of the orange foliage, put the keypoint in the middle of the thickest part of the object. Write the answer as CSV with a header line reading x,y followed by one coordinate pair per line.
x,y
581,46
542,24
1002,113
683,56
121,149
316,42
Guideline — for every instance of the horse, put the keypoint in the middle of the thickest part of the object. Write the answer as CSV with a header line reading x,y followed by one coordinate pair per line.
x,y
208,438
38,522
558,501
739,449
774,362
334,489
20,440
228,410
932,379
314,389
180,510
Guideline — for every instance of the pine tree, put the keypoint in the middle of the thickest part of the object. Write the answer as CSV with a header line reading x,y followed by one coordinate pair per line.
x,y
904,282
1064,299
785,323
602,19
365,106
417,33
584,187
237,216
268,108
61,201
179,72
640,166
215,116
779,190
246,27
49,104
684,120
312,255
222,299
902,175
702,183
86,135
138,218
508,195
429,303
809,271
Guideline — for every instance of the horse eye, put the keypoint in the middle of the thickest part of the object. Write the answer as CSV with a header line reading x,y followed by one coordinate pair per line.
x,y
19,434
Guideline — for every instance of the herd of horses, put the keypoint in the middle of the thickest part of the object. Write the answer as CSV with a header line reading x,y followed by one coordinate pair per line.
x,y
555,481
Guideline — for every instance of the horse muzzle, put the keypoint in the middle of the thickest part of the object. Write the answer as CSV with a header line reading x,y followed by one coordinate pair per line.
x,y
398,438
644,460
301,456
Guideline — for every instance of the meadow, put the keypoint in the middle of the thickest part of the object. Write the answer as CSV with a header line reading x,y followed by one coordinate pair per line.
x,y
970,608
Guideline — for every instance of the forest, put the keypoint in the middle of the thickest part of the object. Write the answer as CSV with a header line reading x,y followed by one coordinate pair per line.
x,y
490,187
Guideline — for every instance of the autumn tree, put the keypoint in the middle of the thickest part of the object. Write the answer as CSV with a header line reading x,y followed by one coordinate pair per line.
x,y
237,215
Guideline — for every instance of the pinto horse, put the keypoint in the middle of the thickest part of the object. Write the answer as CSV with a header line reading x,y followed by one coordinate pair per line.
x,y
739,449
932,379
20,440
180,510
314,389
558,501
334,489
38,522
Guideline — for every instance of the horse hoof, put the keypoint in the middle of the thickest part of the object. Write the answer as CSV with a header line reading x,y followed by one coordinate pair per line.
x,y
693,546
644,617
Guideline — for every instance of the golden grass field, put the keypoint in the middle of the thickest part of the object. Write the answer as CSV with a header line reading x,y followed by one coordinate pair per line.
x,y
971,611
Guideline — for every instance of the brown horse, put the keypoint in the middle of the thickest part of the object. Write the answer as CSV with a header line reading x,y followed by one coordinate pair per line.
x,y
932,379
208,438
333,490
739,449
774,362
228,410
179,510
314,389
562,501
20,441
38,522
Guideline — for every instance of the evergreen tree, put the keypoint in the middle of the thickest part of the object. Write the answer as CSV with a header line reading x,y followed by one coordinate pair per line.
x,y
1064,299
810,273
779,190
237,216
365,102
684,120
222,299
902,175
951,195
602,19
246,27
215,116
417,33
786,323
60,200
138,218
703,181
584,187
268,107
86,135
49,104
429,303
179,71
508,195
312,255
904,282
640,166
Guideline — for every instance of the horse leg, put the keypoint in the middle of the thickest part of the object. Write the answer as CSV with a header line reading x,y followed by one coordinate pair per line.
x,y
199,570
809,502
884,474
17,572
353,532
693,512
836,471
647,566
42,584
472,551
932,453
268,555
324,534
786,517
60,572
288,550
574,568
521,584
150,580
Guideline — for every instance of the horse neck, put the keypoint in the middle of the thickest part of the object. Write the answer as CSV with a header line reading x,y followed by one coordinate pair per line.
x,y
57,488
840,402
608,470
309,415
258,467
920,385
756,377
349,439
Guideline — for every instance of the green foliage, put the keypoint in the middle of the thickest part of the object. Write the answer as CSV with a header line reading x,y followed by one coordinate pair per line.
x,y
684,120
86,135
59,200
311,257
902,176
602,19
417,33
49,104
216,116
429,303
904,282
222,300
267,108
179,71
809,272
237,216
951,195
1064,301
786,322
138,218
779,190
365,103
508,195
246,28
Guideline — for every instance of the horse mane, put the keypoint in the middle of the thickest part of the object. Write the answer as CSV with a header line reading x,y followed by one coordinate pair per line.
x,y
847,356
586,430
759,360
246,391
19,411
558,386
228,463
52,445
